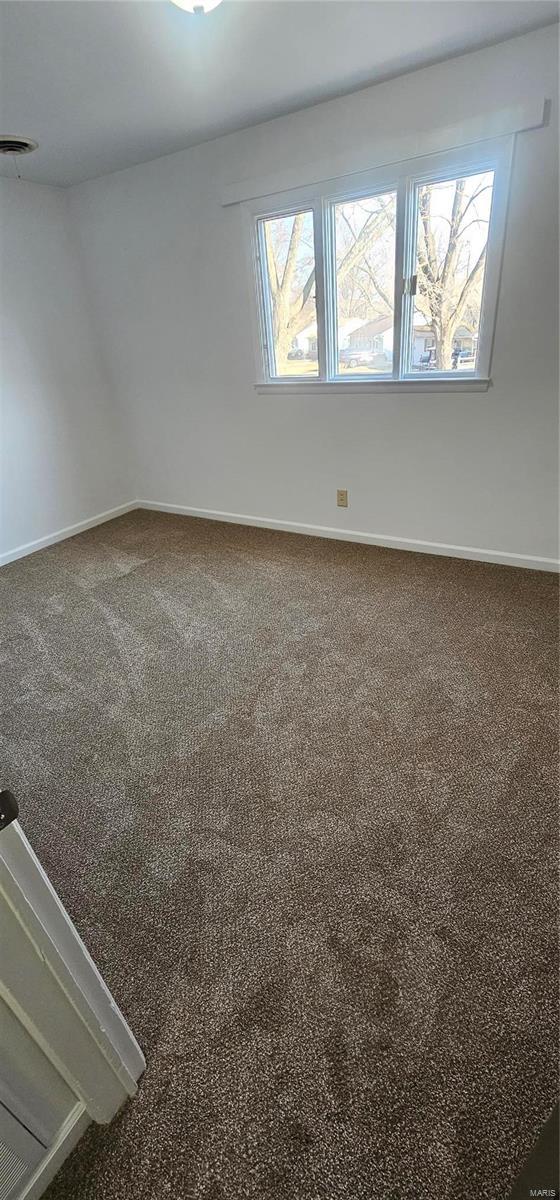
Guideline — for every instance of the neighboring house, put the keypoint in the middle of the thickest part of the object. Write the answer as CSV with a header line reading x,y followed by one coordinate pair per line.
x,y
306,341
423,339
376,338
354,333
465,339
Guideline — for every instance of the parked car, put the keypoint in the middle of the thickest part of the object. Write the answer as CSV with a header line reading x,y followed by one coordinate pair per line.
x,y
427,360
355,358
295,354
464,359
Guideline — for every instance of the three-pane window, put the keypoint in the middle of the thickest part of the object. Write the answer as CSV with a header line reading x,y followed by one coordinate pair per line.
x,y
389,283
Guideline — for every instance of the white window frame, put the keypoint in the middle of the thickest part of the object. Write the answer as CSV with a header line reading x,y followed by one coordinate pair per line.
x,y
404,179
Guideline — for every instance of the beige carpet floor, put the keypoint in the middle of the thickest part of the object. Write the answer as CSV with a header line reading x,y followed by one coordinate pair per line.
x,y
299,797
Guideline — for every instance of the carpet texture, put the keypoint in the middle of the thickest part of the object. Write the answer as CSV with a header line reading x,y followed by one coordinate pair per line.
x,y
299,797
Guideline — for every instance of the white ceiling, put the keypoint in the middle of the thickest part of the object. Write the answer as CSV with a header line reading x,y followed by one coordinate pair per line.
x,y
103,84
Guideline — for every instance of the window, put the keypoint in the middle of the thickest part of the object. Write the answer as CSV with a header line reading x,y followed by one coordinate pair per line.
x,y
452,218
365,282
392,279
287,253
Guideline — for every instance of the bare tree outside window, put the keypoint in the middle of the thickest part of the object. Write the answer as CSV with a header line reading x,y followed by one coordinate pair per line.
x,y
453,218
452,222
290,264
365,282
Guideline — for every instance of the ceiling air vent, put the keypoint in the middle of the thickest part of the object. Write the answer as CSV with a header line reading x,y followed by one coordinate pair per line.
x,y
16,145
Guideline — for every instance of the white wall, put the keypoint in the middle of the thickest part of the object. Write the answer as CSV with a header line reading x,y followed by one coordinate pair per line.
x,y
168,281
64,459
168,273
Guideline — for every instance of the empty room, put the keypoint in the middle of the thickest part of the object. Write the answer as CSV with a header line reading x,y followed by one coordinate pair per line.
x,y
279,599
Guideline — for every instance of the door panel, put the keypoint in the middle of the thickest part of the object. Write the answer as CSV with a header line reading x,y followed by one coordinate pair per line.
x,y
30,1087
20,1154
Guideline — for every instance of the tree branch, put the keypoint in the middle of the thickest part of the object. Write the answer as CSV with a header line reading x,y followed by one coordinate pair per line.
x,y
380,292
468,285
486,188
453,243
289,267
271,260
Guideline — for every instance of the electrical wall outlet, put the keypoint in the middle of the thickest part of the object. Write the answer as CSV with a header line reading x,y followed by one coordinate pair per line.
x,y
342,498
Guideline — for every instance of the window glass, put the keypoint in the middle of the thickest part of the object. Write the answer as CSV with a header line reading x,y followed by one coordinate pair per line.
x,y
452,233
407,274
288,258
365,280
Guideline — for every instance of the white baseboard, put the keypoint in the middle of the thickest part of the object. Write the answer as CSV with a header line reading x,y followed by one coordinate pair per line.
x,y
61,534
506,558
71,1132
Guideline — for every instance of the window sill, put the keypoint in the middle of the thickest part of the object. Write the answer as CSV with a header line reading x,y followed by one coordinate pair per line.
x,y
366,387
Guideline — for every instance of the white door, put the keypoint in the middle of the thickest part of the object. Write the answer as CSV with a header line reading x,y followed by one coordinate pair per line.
x,y
67,1056
20,1155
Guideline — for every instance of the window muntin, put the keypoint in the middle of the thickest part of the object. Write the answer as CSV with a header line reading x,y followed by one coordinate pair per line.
x,y
484,174
365,236
452,218
287,256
